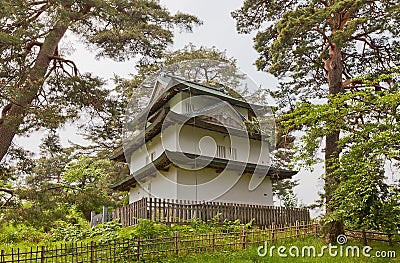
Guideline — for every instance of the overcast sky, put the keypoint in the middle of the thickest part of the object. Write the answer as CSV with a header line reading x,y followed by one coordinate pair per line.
x,y
218,30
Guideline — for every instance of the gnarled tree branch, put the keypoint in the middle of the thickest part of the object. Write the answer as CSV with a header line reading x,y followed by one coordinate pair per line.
x,y
68,62
8,191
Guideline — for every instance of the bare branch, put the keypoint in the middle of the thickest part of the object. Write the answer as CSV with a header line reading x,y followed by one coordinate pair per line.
x,y
351,83
362,35
50,71
325,37
37,13
68,62
8,191
320,65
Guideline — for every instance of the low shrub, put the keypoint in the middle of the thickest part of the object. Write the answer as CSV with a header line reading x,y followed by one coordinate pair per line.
x,y
107,231
15,233
64,231
149,229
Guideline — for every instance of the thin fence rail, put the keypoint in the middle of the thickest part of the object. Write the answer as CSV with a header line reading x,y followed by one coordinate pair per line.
x,y
178,211
138,249
370,235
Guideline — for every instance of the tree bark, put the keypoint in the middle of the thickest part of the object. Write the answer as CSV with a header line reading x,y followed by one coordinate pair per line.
x,y
334,68
28,88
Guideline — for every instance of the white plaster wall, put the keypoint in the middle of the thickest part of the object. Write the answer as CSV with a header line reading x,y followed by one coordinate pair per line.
x,y
138,160
169,138
162,186
138,192
177,103
207,185
204,185
247,150
240,193
169,142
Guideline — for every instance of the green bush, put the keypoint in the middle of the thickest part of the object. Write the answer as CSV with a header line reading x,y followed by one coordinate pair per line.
x,y
74,227
149,229
15,233
65,231
105,227
107,231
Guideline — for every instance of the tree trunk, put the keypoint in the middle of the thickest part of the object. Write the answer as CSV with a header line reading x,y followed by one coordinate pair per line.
x,y
334,68
28,88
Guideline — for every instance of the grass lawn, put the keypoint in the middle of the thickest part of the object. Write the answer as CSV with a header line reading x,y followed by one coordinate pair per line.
x,y
251,255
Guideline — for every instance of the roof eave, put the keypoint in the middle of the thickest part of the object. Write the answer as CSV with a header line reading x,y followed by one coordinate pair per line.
x,y
163,161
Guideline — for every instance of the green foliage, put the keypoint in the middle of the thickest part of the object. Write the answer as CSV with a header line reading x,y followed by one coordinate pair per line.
x,y
40,86
105,227
149,229
215,220
195,63
230,226
107,231
64,231
294,40
283,190
313,47
289,199
73,227
369,121
16,233
111,231
88,180
104,233
64,186
199,226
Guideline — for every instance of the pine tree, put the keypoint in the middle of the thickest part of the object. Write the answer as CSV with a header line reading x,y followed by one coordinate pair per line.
x,y
40,86
316,48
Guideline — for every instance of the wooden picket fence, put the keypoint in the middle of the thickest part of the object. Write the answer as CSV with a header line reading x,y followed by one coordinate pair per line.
x,y
141,249
178,211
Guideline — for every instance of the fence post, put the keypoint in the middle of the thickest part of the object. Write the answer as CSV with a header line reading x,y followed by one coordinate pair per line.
x,y
244,238
138,249
176,242
273,231
42,254
105,214
92,214
92,251
297,228
2,256
213,240
390,238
